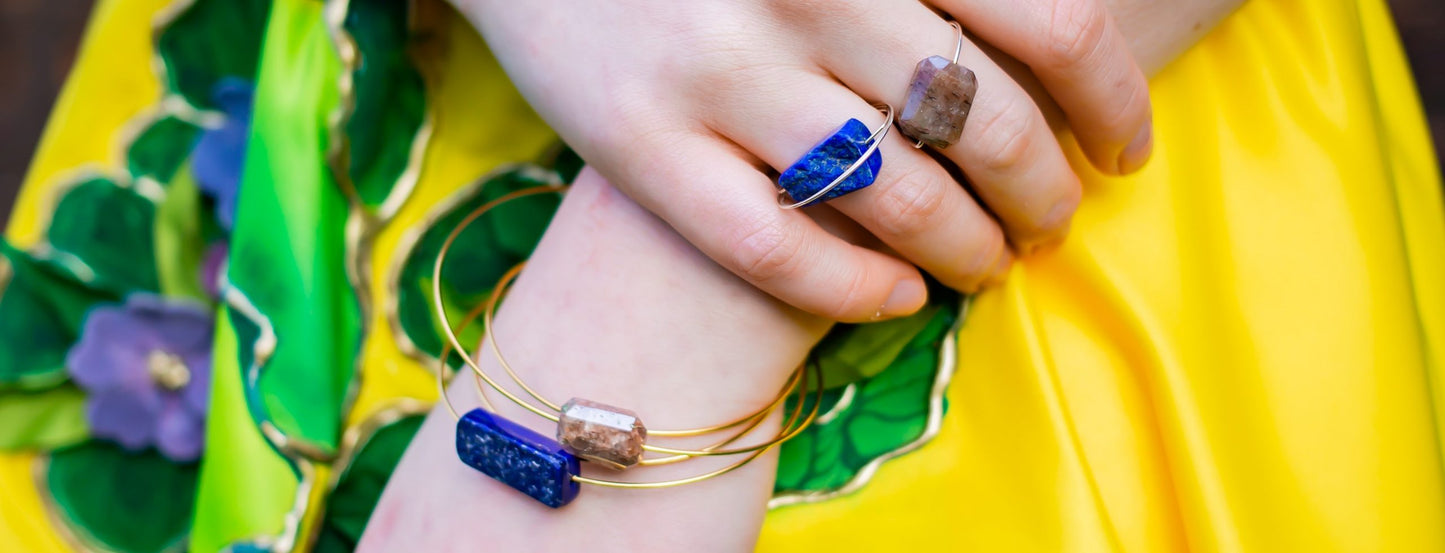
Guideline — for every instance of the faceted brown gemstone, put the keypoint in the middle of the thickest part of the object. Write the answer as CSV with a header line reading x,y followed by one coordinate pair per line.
x,y
938,102
602,433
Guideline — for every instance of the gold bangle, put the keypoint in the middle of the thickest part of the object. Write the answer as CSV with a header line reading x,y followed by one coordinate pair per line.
x,y
508,441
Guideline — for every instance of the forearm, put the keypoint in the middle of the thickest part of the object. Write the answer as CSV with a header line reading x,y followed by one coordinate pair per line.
x,y
613,307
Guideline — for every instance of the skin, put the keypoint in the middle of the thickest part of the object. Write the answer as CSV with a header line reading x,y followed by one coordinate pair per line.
x,y
650,323
688,109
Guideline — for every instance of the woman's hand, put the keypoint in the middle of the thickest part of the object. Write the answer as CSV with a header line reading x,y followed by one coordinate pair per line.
x,y
685,104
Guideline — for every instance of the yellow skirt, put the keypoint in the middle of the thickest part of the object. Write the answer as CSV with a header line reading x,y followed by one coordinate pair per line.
x,y
1237,349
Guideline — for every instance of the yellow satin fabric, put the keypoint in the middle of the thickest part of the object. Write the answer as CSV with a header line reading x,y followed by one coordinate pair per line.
x,y
1235,349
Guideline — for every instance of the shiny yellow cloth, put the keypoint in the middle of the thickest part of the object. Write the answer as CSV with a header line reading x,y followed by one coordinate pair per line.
x,y
1238,349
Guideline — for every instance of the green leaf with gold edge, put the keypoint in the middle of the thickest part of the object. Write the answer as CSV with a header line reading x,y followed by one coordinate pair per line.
x,y
390,99
42,420
160,149
127,502
850,353
888,411
108,228
41,312
359,488
493,244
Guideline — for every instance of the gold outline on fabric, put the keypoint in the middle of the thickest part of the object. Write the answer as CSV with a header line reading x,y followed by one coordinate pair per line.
x,y
844,401
409,240
262,350
947,365
356,437
362,223
298,453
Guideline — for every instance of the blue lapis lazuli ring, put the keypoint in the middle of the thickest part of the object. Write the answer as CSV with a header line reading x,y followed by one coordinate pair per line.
x,y
846,161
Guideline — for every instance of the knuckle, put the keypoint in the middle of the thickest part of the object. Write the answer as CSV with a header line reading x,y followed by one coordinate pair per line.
x,y
850,302
1076,30
1052,221
911,204
766,252
1135,109
813,14
1005,137
978,265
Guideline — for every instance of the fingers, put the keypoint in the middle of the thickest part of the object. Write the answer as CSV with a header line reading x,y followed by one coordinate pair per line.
x,y
728,209
1007,150
1079,55
914,206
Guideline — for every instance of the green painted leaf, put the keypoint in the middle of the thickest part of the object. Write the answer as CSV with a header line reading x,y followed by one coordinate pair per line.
x,y
129,502
851,353
888,410
42,420
389,94
161,148
493,244
210,40
41,312
358,490
179,243
109,229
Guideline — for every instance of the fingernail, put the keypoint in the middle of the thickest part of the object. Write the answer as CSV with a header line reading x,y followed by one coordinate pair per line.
x,y
907,296
1138,150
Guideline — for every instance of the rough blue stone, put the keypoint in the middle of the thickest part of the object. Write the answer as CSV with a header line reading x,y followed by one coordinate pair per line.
x,y
829,159
518,457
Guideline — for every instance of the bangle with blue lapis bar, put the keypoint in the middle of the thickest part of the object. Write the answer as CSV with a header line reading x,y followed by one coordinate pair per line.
x,y
587,432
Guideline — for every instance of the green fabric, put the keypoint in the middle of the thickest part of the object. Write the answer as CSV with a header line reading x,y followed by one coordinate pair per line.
x,y
179,241
129,502
390,98
42,420
41,312
288,244
245,486
358,490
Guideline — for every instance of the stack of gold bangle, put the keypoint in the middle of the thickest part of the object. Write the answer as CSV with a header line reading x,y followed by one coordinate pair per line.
x,y
548,470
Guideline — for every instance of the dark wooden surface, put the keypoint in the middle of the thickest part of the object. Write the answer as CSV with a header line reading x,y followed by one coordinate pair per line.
x,y
38,39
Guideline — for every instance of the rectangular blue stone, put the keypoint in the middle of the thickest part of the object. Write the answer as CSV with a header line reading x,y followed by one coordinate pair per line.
x,y
828,159
518,457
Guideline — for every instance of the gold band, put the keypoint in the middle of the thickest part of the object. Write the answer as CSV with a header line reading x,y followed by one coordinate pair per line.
x,y
794,424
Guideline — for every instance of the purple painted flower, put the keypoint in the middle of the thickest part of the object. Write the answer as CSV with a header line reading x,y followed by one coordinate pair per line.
x,y
146,366
220,153
211,265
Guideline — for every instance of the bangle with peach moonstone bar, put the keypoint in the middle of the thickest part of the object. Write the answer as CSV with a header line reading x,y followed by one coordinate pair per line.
x,y
549,470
